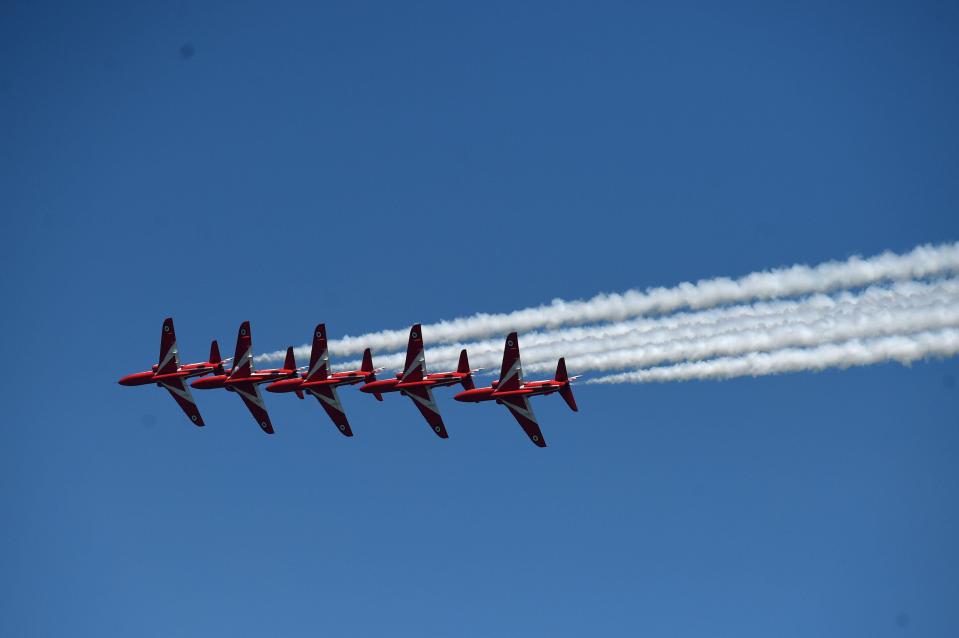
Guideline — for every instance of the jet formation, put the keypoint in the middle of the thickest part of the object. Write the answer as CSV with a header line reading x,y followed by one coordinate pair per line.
x,y
319,380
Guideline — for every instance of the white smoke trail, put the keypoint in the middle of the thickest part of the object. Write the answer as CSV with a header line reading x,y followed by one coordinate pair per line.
x,y
826,330
804,328
855,272
904,349
540,350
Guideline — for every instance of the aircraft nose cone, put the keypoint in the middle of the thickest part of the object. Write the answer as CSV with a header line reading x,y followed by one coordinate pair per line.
x,y
205,383
284,385
461,396
137,378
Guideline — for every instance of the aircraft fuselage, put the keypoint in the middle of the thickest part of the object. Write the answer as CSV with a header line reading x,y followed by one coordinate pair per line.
x,y
435,380
532,388
183,372
351,377
258,377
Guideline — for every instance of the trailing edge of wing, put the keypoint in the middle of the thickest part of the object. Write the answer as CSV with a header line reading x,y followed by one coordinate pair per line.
x,y
330,401
180,392
254,403
522,411
423,399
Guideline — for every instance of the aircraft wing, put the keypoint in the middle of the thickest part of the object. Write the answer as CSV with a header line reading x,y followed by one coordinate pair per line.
x,y
511,374
180,392
415,368
523,412
169,361
243,356
423,398
319,356
254,403
326,395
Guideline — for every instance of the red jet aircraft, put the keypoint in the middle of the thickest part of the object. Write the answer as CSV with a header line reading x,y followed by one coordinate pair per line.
x,y
321,382
415,383
169,374
243,379
514,394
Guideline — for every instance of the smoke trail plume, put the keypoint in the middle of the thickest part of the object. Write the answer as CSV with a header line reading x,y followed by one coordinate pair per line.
x,y
693,333
855,272
904,349
824,331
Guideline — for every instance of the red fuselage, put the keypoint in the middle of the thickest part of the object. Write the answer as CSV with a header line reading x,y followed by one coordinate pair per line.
x,y
435,380
297,384
490,393
258,377
183,372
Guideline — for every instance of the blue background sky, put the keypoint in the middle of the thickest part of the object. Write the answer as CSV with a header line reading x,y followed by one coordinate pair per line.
x,y
376,164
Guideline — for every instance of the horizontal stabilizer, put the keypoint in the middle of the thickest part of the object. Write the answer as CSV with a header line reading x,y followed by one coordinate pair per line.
x,y
566,391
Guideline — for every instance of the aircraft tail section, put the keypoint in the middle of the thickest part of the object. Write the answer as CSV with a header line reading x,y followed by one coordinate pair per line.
x,y
169,360
290,362
367,367
215,357
567,390
464,367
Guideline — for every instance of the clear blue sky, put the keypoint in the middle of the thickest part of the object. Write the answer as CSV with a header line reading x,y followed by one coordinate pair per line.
x,y
376,164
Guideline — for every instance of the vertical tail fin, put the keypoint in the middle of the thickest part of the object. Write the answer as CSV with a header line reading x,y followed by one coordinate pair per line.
x,y
367,365
567,390
290,362
215,358
464,367
464,364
